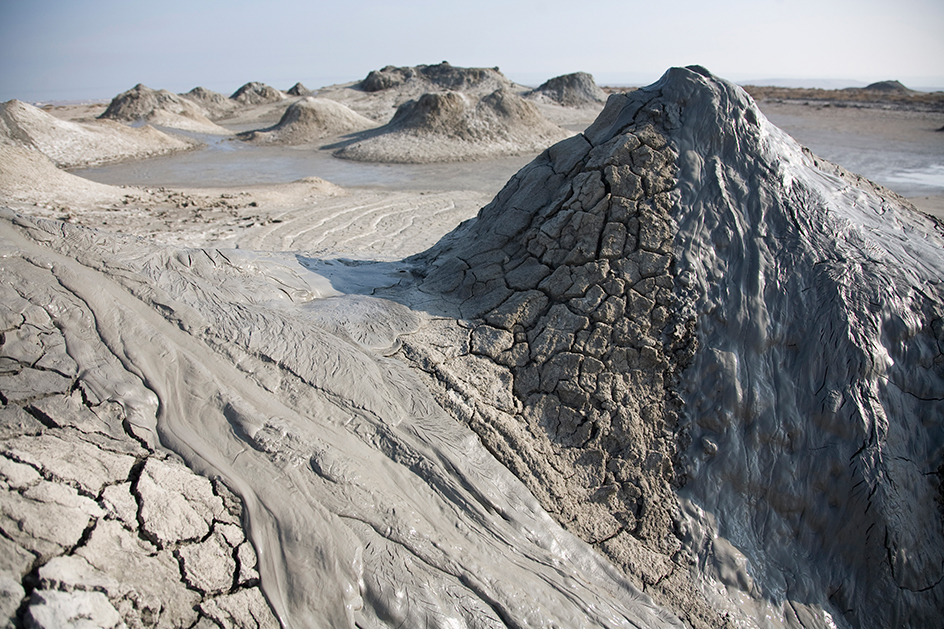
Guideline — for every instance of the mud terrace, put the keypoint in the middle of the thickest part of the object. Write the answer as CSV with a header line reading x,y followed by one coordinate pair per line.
x,y
678,372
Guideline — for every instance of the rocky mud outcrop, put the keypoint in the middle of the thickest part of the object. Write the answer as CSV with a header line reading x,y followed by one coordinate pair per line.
x,y
299,90
97,526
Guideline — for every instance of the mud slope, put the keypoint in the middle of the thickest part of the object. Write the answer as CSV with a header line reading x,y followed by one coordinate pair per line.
x,y
451,126
366,504
310,120
75,144
30,177
162,108
711,355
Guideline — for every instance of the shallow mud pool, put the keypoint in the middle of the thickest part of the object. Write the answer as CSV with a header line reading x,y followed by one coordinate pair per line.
x,y
229,162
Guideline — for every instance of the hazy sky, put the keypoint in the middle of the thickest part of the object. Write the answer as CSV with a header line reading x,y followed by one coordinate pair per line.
x,y
77,49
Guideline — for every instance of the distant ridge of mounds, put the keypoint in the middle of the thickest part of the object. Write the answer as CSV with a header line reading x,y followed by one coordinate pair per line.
x,y
441,75
879,94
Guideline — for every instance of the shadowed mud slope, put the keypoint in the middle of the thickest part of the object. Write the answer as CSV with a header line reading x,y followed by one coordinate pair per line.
x,y
711,355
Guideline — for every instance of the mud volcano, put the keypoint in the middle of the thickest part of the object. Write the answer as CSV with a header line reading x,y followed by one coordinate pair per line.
x,y
452,126
713,356
215,104
309,120
299,90
439,77
256,93
160,107
74,144
570,90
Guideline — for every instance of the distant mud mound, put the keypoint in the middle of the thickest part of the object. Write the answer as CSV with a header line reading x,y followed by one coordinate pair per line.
x,y
255,93
713,356
441,76
309,120
570,90
216,105
452,126
160,107
299,90
76,144
888,86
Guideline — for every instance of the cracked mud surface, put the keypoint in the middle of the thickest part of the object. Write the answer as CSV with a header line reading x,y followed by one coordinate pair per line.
x,y
93,518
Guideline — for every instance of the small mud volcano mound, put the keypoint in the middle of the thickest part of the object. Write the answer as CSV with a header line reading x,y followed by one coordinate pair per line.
x,y
255,93
570,90
452,126
887,86
215,104
28,176
712,355
76,144
441,76
309,120
299,90
160,107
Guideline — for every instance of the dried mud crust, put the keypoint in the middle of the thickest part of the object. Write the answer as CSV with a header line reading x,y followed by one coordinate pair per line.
x,y
96,525
569,344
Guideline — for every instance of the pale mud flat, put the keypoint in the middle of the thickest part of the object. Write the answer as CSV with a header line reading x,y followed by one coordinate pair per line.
x,y
902,150
407,436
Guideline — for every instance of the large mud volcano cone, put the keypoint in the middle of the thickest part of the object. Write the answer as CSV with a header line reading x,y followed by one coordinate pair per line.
x,y
722,359
309,120
453,126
